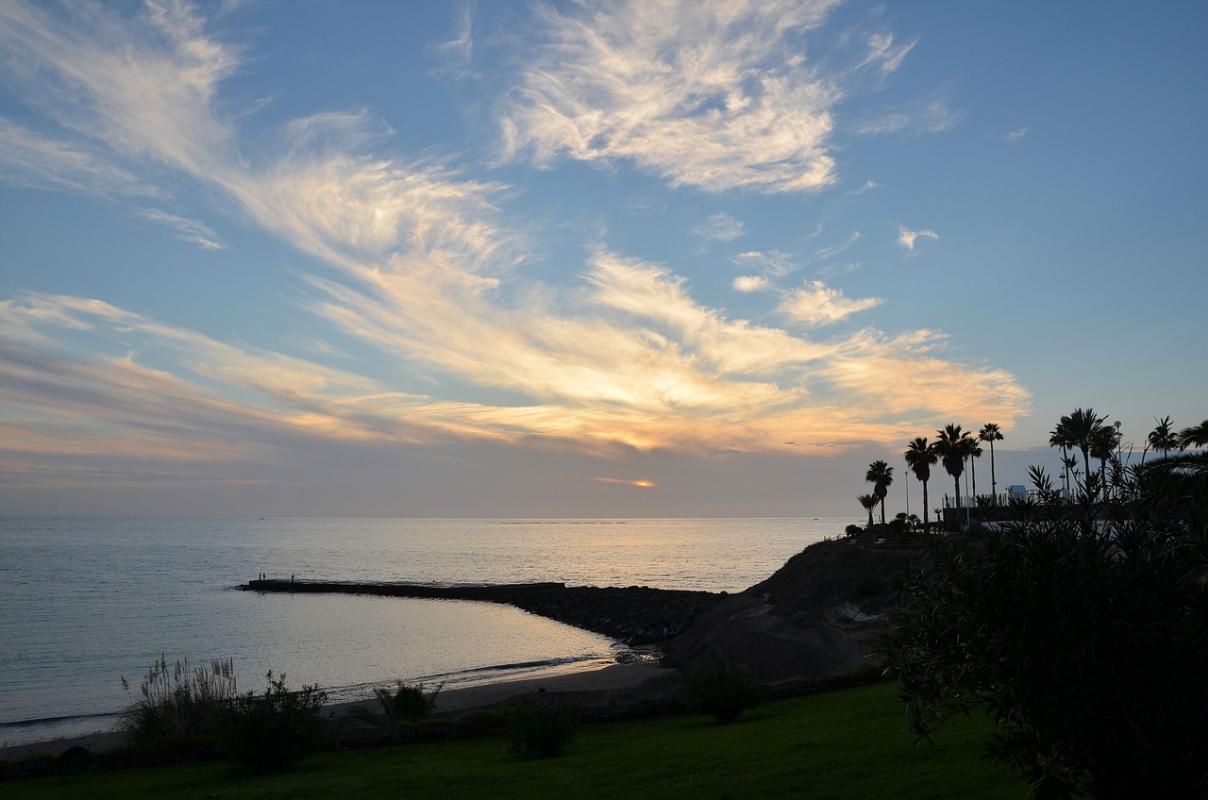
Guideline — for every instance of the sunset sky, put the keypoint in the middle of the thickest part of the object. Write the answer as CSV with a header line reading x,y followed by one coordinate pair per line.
x,y
561,259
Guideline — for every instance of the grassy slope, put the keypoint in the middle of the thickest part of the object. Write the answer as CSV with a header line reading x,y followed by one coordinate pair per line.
x,y
845,744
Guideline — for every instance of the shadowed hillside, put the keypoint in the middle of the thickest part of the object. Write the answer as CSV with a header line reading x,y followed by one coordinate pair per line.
x,y
821,614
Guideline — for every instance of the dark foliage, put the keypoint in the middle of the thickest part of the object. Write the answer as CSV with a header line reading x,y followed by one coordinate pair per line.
x,y
402,709
721,689
1086,641
271,731
541,729
407,704
178,704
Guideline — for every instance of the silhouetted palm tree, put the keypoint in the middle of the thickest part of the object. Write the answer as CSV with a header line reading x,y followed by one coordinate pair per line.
x,y
880,475
1083,425
919,457
1194,436
1103,446
1163,437
1060,437
974,452
950,447
1070,464
990,433
869,502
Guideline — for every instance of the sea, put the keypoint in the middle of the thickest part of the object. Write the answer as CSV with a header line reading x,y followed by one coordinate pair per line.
x,y
85,602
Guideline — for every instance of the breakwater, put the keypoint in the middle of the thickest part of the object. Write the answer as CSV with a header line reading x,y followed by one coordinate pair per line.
x,y
632,614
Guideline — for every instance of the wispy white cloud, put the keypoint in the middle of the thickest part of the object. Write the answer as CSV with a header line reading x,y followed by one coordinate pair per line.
x,y
721,99
908,238
458,52
815,304
1014,136
425,272
832,270
461,46
864,188
933,117
187,230
883,55
750,283
37,161
721,227
825,253
772,263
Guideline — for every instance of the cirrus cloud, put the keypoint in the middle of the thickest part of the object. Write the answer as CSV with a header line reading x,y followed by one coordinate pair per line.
x,y
422,267
722,99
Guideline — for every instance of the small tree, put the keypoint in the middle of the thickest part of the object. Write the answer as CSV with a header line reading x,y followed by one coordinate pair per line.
x,y
991,433
868,502
880,475
920,455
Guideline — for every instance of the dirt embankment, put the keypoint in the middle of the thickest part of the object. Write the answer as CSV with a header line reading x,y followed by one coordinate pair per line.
x,y
822,614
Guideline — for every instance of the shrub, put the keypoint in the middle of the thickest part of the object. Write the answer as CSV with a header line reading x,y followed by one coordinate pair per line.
x,y
269,732
853,530
178,702
723,690
407,703
542,729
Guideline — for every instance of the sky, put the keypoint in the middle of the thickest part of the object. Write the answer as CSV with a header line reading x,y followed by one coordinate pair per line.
x,y
561,259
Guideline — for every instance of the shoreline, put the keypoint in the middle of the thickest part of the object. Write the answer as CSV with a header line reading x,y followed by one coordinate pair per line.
x,y
589,686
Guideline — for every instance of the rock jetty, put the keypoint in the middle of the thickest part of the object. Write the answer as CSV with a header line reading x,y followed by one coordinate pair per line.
x,y
634,614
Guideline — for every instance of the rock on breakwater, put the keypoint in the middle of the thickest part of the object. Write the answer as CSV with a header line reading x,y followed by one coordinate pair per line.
x,y
632,614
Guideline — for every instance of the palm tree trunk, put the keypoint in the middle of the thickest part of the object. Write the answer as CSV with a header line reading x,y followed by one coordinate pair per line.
x,y
956,485
870,516
993,477
882,510
973,468
1064,455
925,523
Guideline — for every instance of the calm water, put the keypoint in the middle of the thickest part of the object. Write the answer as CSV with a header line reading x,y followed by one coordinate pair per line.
x,y
86,601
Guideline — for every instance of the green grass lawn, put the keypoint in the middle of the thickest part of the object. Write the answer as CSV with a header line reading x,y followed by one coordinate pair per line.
x,y
844,744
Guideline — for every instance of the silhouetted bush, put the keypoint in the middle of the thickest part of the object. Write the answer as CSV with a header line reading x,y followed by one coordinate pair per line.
x,y
1084,639
478,723
271,731
407,703
542,729
178,705
853,530
721,689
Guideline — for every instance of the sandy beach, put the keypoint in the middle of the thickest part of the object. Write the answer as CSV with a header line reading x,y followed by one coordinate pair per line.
x,y
624,682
